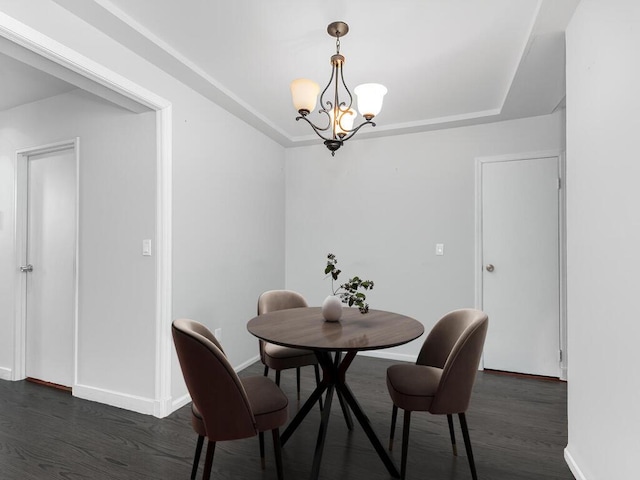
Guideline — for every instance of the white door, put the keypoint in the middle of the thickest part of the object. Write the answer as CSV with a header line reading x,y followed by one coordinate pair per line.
x,y
50,292
521,264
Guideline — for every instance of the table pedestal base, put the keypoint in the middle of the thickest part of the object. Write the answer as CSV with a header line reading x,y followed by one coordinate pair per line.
x,y
333,380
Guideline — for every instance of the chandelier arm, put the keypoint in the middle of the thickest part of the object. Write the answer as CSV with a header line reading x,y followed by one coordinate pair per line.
x,y
347,89
353,131
322,102
316,129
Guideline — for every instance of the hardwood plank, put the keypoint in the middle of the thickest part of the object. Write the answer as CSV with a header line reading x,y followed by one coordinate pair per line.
x,y
517,426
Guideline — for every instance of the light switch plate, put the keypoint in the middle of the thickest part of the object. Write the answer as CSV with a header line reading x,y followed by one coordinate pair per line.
x,y
439,248
146,247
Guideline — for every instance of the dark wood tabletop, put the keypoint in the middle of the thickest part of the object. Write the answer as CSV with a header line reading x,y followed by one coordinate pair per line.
x,y
306,328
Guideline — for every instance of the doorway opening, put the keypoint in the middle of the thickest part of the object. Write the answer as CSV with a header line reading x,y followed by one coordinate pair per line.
x,y
31,47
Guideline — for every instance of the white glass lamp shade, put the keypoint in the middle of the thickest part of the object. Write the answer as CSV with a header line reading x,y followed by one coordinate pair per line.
x,y
370,97
345,120
304,93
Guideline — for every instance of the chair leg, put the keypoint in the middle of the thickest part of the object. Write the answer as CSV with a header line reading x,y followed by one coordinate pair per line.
x,y
266,371
298,381
467,444
196,458
261,440
277,447
208,462
453,435
278,377
317,371
405,444
394,416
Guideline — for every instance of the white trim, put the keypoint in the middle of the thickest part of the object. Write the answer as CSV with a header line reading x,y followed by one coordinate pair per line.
x,y
400,357
20,255
48,48
20,242
163,263
6,373
478,266
246,364
562,229
115,399
180,402
573,466
183,400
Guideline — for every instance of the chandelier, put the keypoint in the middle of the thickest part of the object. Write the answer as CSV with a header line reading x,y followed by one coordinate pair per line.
x,y
340,113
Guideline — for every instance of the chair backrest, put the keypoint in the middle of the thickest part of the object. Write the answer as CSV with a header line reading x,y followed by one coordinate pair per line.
x,y
214,387
274,300
455,344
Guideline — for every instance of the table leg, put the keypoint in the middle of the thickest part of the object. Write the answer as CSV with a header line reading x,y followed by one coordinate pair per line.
x,y
334,380
346,413
306,408
368,429
322,433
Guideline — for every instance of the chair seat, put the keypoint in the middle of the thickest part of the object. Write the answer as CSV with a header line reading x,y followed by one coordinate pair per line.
x,y
413,387
269,405
278,357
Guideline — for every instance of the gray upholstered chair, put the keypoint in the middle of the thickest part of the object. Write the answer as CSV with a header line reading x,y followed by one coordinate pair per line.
x,y
442,379
224,406
278,357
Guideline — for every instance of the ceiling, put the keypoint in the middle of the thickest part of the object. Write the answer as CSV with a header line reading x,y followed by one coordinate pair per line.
x,y
445,62
22,84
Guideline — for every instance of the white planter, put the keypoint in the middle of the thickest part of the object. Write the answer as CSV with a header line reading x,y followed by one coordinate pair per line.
x,y
332,308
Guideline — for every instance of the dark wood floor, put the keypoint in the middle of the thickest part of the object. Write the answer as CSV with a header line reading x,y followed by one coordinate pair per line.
x,y
518,430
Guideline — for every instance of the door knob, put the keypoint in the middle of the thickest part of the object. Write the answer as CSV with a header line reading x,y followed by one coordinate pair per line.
x,y
26,268
490,268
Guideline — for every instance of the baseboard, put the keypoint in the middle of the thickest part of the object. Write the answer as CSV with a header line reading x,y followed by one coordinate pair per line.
x,y
401,357
6,373
183,400
573,466
116,399
180,402
246,364
563,373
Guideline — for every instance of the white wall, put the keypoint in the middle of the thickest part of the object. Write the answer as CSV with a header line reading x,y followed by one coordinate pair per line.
x,y
228,192
228,224
117,210
603,234
381,205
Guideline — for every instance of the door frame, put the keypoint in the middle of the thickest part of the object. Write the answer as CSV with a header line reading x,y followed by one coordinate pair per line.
x,y
44,53
562,260
21,188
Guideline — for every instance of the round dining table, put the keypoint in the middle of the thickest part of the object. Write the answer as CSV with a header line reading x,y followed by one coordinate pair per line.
x,y
355,332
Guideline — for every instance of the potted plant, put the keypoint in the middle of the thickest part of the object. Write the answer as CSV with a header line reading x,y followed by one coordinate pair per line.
x,y
348,292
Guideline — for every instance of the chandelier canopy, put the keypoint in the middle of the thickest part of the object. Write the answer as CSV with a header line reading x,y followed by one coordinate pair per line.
x,y
340,114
